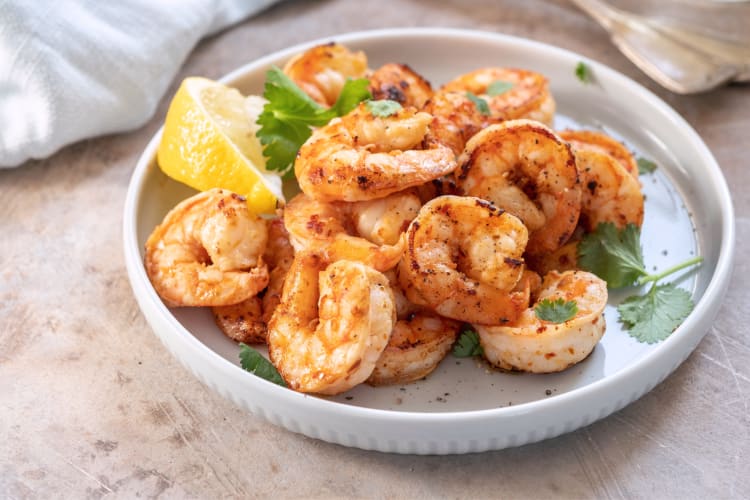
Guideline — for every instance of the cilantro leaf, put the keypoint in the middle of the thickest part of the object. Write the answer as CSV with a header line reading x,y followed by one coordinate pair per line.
x,y
383,107
352,93
467,344
653,317
615,256
498,87
583,72
252,361
645,166
556,311
480,103
289,114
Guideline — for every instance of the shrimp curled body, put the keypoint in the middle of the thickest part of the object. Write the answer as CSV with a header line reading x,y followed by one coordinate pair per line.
x,y
463,259
534,345
208,252
361,157
524,168
332,324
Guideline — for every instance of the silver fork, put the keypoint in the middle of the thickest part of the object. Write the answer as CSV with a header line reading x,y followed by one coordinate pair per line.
x,y
679,57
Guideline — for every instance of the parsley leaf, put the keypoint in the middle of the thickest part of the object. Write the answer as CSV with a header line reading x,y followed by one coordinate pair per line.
x,y
615,256
480,103
583,72
383,108
645,166
289,114
252,361
468,344
498,87
556,311
653,317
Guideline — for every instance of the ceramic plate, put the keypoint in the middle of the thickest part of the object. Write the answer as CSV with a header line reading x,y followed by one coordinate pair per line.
x,y
465,406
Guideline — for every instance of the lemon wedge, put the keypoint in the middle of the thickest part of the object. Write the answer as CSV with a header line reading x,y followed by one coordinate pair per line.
x,y
209,141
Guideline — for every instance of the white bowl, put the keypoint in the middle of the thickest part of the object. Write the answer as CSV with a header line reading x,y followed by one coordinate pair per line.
x,y
464,406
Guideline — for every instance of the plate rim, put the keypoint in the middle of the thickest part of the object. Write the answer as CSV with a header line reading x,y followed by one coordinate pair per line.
x,y
712,296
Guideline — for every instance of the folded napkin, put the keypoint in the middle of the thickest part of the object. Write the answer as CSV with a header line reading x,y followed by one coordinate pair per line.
x,y
72,69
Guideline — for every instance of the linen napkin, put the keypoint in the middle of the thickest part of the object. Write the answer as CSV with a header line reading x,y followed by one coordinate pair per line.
x,y
72,69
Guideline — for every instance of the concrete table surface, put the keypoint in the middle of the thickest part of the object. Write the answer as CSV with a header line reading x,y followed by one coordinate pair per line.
x,y
92,405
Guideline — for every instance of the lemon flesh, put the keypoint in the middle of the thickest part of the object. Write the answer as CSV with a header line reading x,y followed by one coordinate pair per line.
x,y
209,141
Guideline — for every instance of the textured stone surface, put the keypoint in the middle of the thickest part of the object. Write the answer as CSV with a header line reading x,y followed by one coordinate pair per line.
x,y
92,405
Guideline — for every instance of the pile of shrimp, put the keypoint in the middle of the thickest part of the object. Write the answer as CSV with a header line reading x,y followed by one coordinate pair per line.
x,y
408,228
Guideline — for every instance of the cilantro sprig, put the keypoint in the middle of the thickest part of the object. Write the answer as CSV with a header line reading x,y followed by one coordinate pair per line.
x,y
616,256
645,166
556,311
289,114
480,103
468,344
498,87
383,108
583,72
252,361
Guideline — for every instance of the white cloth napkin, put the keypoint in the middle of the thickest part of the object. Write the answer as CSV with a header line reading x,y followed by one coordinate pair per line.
x,y
72,69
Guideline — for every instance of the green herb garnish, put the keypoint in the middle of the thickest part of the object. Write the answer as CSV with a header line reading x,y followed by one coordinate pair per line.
x,y
467,344
616,257
289,114
480,103
252,361
556,311
498,87
383,108
583,72
645,166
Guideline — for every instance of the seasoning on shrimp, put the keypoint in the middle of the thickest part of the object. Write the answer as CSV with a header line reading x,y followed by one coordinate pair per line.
x,y
208,251
533,345
463,259
524,168
400,83
363,157
602,143
332,324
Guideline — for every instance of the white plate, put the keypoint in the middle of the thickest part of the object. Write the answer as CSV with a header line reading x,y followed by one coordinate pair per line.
x,y
464,406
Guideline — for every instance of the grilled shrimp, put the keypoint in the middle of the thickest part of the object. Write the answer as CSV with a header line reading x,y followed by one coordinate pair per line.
x,y
463,258
418,343
455,119
279,254
332,324
242,322
523,167
602,143
362,157
331,229
322,71
610,193
534,345
400,83
528,95
208,252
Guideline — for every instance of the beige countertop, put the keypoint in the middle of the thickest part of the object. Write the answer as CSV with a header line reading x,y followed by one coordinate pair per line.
x,y
92,404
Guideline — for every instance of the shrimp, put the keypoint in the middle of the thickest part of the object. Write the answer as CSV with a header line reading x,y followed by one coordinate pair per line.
x,y
279,254
463,258
610,193
534,345
242,322
564,258
417,345
524,168
208,252
362,157
419,341
400,83
602,143
384,220
528,95
322,71
329,228
455,120
332,324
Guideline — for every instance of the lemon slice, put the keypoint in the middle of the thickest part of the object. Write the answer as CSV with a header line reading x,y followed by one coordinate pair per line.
x,y
209,141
